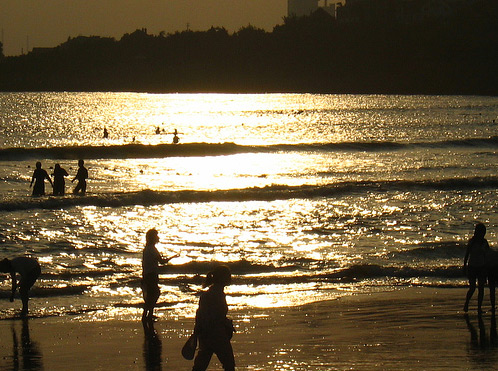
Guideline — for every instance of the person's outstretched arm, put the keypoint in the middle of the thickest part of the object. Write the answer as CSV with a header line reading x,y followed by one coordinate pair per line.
x,y
77,176
166,260
48,177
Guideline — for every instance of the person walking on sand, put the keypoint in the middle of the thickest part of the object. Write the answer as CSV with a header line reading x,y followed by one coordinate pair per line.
x,y
81,176
29,270
39,176
475,265
151,258
59,182
212,327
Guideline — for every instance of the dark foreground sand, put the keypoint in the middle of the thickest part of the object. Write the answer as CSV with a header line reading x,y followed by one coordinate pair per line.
x,y
407,329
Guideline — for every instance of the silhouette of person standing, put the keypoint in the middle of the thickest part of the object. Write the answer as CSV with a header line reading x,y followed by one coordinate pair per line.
x,y
213,329
29,269
106,133
475,265
150,274
81,176
39,176
492,273
59,181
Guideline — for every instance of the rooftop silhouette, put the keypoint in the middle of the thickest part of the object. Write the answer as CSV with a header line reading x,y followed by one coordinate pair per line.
x,y
317,53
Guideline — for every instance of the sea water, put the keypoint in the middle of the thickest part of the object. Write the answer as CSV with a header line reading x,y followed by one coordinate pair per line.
x,y
305,197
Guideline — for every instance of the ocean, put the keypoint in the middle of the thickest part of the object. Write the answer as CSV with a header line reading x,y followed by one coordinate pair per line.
x,y
305,197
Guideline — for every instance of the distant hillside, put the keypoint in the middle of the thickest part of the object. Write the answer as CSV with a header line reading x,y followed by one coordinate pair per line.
x,y
310,54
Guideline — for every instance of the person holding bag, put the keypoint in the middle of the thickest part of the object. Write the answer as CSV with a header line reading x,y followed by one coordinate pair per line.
x,y
213,329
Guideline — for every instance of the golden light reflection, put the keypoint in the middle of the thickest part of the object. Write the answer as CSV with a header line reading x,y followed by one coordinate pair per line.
x,y
45,259
220,172
242,118
282,295
108,314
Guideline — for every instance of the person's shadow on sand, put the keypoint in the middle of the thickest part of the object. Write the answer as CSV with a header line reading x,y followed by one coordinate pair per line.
x,y
152,350
28,355
479,339
482,347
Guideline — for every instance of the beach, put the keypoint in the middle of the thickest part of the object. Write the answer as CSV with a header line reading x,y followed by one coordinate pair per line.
x,y
344,221
402,329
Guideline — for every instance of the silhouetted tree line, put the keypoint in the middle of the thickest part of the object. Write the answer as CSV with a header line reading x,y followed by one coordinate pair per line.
x,y
456,55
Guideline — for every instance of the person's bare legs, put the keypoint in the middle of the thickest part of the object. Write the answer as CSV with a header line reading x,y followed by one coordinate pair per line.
x,y
470,292
150,315
150,303
144,314
480,292
24,299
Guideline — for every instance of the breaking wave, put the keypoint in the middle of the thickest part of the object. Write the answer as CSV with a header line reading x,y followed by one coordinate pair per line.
x,y
268,193
136,150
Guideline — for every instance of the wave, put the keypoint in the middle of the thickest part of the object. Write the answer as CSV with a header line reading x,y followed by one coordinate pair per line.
x,y
268,193
372,271
431,251
355,273
122,151
46,292
189,278
246,272
136,150
379,146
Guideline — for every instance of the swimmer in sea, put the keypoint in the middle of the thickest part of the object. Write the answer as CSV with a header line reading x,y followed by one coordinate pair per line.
x,y
176,139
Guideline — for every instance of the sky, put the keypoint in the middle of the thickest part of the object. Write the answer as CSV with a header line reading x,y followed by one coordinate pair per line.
x,y
47,23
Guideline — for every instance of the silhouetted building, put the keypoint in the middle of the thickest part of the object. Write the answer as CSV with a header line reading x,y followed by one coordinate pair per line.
x,y
299,8
398,11
330,7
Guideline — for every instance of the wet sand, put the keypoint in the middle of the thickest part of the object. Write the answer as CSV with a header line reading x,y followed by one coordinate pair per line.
x,y
406,329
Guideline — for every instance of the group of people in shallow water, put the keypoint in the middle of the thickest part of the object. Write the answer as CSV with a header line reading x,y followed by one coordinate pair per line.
x,y
59,182
213,330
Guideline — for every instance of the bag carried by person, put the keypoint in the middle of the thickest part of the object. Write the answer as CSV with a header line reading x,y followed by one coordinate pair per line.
x,y
188,350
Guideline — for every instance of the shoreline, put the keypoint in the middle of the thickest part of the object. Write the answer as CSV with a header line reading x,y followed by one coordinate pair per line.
x,y
409,328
